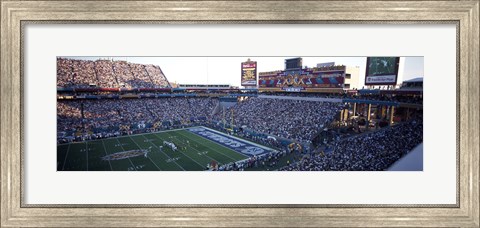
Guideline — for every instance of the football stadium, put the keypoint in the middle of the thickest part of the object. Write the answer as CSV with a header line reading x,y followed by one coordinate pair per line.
x,y
118,114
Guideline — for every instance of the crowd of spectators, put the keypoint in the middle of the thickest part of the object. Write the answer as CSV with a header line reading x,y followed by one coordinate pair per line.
x,y
110,114
395,98
69,116
124,75
374,151
83,72
267,141
291,119
75,72
180,109
159,79
96,114
64,72
105,74
108,74
377,97
142,80
269,159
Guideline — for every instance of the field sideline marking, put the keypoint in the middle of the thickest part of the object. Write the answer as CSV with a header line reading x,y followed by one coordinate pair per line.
x,y
124,151
194,149
165,153
234,160
147,152
105,149
65,160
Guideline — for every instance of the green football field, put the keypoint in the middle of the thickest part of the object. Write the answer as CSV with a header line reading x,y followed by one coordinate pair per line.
x,y
194,153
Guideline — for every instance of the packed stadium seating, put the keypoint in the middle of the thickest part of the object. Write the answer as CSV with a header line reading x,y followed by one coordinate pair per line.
x,y
108,115
396,98
295,120
105,74
270,160
155,70
124,73
291,119
108,74
376,150
83,72
64,72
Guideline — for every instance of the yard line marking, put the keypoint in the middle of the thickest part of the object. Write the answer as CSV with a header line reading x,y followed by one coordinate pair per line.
x,y
212,159
154,163
180,142
212,148
166,153
128,158
147,153
189,156
65,160
86,149
132,165
234,160
196,150
193,138
105,149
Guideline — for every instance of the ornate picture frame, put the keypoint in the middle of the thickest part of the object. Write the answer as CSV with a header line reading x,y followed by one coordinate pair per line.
x,y
15,14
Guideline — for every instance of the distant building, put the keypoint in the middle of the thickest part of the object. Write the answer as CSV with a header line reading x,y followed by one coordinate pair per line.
x,y
352,78
329,64
415,84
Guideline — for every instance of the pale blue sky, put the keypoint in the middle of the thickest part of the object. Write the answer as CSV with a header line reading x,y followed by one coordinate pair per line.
x,y
226,70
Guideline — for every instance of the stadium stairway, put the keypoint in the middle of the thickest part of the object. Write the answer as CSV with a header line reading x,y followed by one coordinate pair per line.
x,y
217,109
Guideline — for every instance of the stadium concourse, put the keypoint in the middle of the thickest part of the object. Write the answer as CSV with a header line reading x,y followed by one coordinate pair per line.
x,y
115,115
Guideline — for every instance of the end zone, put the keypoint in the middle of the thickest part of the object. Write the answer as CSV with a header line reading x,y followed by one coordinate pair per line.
x,y
239,145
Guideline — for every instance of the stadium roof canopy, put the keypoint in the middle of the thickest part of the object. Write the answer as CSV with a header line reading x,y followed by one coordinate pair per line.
x,y
413,161
419,79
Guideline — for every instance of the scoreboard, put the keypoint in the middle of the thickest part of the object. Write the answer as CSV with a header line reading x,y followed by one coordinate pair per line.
x,y
293,64
249,73
382,70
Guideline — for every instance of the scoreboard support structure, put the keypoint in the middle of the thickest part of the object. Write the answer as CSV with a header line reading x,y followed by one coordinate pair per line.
x,y
391,115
